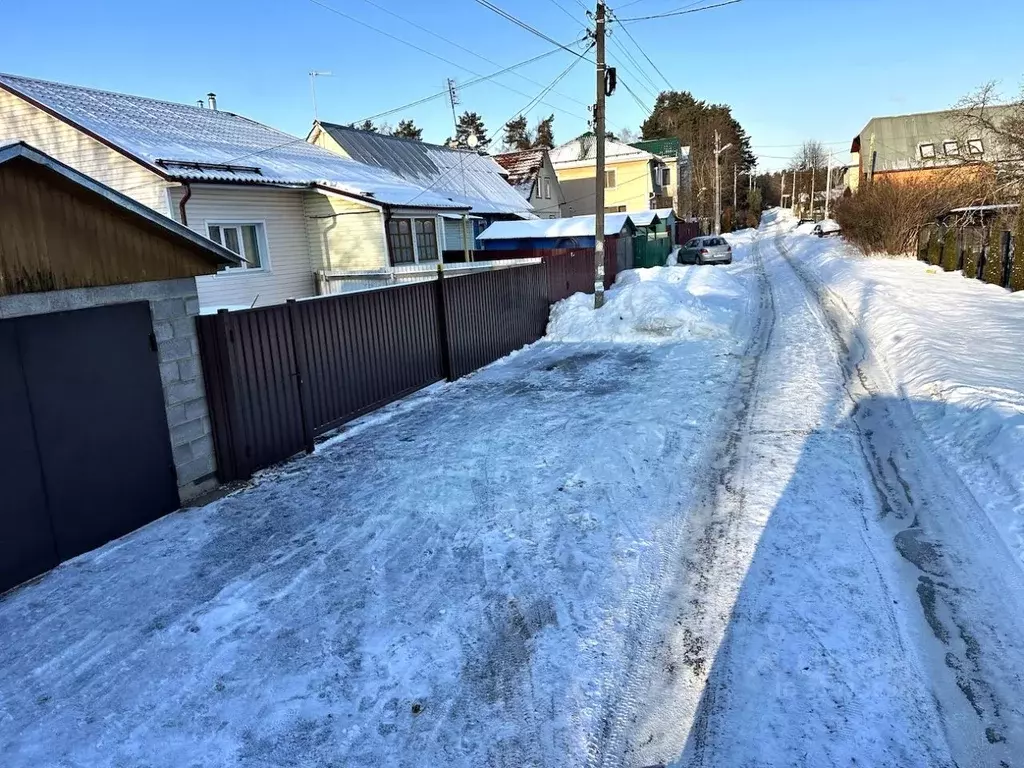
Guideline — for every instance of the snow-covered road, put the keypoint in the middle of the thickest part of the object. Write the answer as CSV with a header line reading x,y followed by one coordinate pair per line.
x,y
721,535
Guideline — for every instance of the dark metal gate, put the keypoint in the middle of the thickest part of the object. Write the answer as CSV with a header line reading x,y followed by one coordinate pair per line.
x,y
85,455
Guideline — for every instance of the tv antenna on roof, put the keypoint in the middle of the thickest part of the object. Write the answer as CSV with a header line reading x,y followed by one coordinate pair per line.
x,y
313,75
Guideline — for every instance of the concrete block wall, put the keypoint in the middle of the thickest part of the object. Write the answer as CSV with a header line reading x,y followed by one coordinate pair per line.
x,y
173,305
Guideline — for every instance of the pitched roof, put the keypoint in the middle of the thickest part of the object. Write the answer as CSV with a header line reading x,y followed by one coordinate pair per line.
x,y
897,139
189,143
661,147
647,217
575,226
522,168
582,151
20,151
463,176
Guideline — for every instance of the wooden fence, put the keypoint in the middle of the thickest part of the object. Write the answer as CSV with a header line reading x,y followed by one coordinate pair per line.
x,y
278,376
982,253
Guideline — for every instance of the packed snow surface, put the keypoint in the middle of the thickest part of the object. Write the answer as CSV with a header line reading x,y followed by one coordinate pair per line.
x,y
656,305
764,514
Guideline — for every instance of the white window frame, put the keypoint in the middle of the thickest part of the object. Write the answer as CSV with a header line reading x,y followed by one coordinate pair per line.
x,y
615,178
971,144
261,235
438,227
921,152
546,182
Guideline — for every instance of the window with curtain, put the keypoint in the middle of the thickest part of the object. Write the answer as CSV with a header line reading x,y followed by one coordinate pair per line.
x,y
400,241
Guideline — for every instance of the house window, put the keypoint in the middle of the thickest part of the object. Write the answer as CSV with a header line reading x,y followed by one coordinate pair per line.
x,y
412,240
615,209
247,240
609,179
546,183
951,148
927,151
975,147
666,177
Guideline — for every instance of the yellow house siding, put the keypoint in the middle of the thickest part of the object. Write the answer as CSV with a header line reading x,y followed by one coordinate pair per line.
x,y
21,121
343,233
632,183
323,140
289,271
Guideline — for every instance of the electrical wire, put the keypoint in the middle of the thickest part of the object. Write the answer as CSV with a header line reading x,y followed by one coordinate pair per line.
x,y
520,23
642,51
679,12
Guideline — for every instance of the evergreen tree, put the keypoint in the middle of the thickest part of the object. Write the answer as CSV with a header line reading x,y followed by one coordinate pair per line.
x,y
366,125
517,137
407,130
470,123
544,136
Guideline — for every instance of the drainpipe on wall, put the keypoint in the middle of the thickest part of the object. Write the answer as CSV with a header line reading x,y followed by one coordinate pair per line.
x,y
181,204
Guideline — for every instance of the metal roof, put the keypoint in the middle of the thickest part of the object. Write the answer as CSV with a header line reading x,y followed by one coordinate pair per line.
x,y
648,217
190,143
462,176
898,138
662,147
575,226
20,150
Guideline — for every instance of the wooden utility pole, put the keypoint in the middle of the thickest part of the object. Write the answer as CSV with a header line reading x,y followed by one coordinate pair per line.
x,y
719,149
782,195
828,183
599,131
812,193
735,181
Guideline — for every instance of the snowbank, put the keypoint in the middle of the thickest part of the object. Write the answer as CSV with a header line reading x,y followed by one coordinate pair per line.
x,y
654,305
953,345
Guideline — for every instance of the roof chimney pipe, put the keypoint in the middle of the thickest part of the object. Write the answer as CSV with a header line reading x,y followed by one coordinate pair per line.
x,y
212,99
201,104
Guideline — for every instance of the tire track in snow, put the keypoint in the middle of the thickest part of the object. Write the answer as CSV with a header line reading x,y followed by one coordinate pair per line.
x,y
937,531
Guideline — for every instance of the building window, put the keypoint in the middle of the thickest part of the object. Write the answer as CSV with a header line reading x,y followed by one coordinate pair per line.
x,y
247,240
666,177
951,148
927,151
609,179
975,147
615,209
412,241
546,182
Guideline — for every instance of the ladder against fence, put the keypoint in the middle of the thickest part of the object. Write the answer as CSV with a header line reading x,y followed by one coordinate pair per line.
x,y
279,376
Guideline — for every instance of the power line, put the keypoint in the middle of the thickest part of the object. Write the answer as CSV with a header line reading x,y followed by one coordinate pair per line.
x,y
562,8
441,58
653,89
520,23
679,12
640,48
444,39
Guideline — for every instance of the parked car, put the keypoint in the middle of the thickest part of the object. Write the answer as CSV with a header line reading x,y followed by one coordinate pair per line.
x,y
706,250
826,228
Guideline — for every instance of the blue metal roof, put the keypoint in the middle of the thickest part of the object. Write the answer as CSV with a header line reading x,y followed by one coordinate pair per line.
x,y
190,143
467,177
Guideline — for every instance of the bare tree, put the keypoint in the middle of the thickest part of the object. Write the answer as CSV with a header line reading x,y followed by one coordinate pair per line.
x,y
810,157
991,132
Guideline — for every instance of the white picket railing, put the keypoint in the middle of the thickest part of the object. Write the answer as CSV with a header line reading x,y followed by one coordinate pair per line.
x,y
349,281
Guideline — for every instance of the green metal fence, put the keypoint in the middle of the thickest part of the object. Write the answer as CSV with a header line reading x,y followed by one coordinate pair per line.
x,y
650,251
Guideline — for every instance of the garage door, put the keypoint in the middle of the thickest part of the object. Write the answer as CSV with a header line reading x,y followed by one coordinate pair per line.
x,y
85,454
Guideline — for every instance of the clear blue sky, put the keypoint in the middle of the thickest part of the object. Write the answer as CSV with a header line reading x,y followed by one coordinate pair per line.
x,y
791,69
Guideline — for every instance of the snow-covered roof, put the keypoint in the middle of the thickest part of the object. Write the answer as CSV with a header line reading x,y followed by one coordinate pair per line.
x,y
575,226
466,177
190,143
522,168
19,150
646,217
583,151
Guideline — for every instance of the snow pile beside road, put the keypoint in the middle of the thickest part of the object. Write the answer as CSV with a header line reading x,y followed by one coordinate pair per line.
x,y
654,305
953,345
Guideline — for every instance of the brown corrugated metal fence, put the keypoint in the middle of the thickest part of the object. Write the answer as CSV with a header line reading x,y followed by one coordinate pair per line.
x,y
278,376
569,270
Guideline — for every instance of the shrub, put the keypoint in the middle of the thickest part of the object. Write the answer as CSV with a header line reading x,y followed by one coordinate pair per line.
x,y
994,257
884,216
950,256
1017,268
934,252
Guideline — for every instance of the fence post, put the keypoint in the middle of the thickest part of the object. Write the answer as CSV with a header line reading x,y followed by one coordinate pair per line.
x,y
1006,250
239,465
300,365
960,252
442,326
979,270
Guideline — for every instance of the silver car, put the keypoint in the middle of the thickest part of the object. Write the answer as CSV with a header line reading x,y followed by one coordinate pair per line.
x,y
709,249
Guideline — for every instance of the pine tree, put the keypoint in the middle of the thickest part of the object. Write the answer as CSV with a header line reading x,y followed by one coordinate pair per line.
x,y
470,123
544,136
517,137
366,125
407,130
